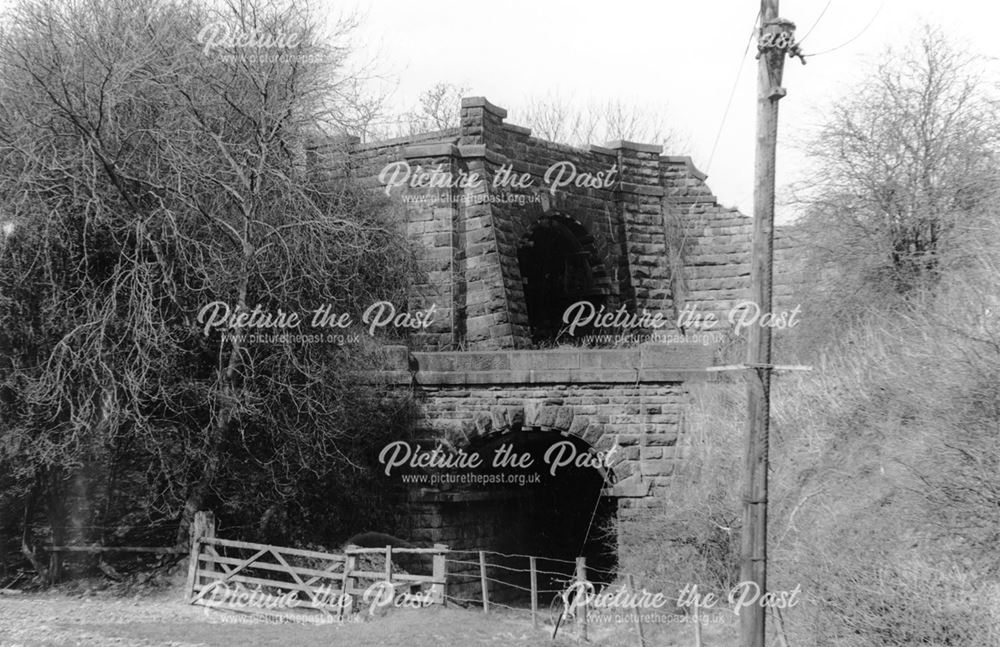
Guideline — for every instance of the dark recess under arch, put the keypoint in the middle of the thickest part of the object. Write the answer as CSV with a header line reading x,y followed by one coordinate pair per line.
x,y
559,266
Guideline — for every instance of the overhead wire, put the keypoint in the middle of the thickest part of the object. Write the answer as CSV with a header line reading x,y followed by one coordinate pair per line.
x,y
732,93
818,18
854,38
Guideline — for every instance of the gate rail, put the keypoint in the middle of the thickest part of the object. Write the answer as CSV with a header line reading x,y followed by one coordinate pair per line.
x,y
284,577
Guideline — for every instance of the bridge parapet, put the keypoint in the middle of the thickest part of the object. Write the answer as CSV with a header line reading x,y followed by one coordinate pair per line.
x,y
647,364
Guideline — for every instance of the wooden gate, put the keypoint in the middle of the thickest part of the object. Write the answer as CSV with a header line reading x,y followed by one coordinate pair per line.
x,y
260,578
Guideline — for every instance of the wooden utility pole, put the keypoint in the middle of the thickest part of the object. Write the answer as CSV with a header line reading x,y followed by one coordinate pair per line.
x,y
775,41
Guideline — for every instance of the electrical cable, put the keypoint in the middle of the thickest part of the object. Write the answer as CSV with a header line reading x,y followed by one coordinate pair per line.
x,y
732,93
859,35
820,17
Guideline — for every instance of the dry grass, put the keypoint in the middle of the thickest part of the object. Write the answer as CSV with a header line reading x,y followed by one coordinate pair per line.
x,y
58,620
884,489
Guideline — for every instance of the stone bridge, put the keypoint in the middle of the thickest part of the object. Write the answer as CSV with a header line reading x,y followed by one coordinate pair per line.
x,y
632,399
624,406
511,232
506,241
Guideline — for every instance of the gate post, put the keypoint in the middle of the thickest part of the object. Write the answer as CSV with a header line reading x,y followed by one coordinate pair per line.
x,y
438,573
203,527
347,585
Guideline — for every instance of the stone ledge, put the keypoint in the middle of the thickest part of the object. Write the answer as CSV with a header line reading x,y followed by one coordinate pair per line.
x,y
709,199
634,146
641,189
481,102
472,150
520,130
431,150
686,160
650,364
477,151
646,356
594,148
536,376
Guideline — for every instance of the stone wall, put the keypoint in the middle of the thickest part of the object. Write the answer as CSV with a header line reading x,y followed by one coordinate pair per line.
x,y
629,398
642,420
654,238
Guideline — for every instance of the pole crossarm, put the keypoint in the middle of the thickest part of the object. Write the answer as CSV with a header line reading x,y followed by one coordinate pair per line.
x,y
748,366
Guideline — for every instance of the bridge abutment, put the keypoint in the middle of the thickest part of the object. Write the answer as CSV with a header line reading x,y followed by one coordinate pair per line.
x,y
619,414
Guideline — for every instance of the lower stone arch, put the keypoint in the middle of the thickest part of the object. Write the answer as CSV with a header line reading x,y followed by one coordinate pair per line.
x,y
570,512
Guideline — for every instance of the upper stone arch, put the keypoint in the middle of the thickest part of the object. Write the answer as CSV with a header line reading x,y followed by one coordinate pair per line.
x,y
559,265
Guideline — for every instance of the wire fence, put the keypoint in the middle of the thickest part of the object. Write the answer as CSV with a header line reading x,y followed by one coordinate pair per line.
x,y
542,589
550,591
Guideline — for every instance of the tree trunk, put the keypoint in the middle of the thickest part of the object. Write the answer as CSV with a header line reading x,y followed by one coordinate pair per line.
x,y
198,493
26,549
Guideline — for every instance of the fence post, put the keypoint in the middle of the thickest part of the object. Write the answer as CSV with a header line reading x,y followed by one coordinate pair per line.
x,y
439,573
55,567
697,626
534,591
388,563
203,527
482,577
346,585
581,576
638,613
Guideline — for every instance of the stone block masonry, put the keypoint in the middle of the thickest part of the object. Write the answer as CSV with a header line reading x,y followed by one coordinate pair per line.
x,y
509,230
627,404
649,235
629,399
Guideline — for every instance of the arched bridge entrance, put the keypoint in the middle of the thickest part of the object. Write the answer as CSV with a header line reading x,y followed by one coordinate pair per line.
x,y
617,413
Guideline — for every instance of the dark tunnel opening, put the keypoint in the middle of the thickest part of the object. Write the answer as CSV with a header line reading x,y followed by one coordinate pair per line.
x,y
557,515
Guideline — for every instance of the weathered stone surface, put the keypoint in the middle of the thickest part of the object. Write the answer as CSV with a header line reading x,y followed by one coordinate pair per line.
x,y
652,238
652,452
564,418
667,438
472,238
657,467
542,416
578,427
506,417
484,423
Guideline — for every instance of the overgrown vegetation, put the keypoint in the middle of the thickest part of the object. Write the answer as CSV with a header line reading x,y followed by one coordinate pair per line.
x,y
884,502
143,176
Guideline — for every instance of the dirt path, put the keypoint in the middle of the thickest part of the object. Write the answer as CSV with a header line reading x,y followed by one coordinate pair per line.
x,y
58,620
61,621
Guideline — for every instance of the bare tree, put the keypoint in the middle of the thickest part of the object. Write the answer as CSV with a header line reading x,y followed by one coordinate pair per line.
x,y
552,117
146,178
902,161
440,108
556,118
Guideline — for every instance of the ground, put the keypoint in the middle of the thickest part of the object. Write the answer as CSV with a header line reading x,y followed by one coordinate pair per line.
x,y
94,619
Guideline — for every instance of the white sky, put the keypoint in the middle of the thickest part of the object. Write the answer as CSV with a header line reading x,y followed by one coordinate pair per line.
x,y
681,55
